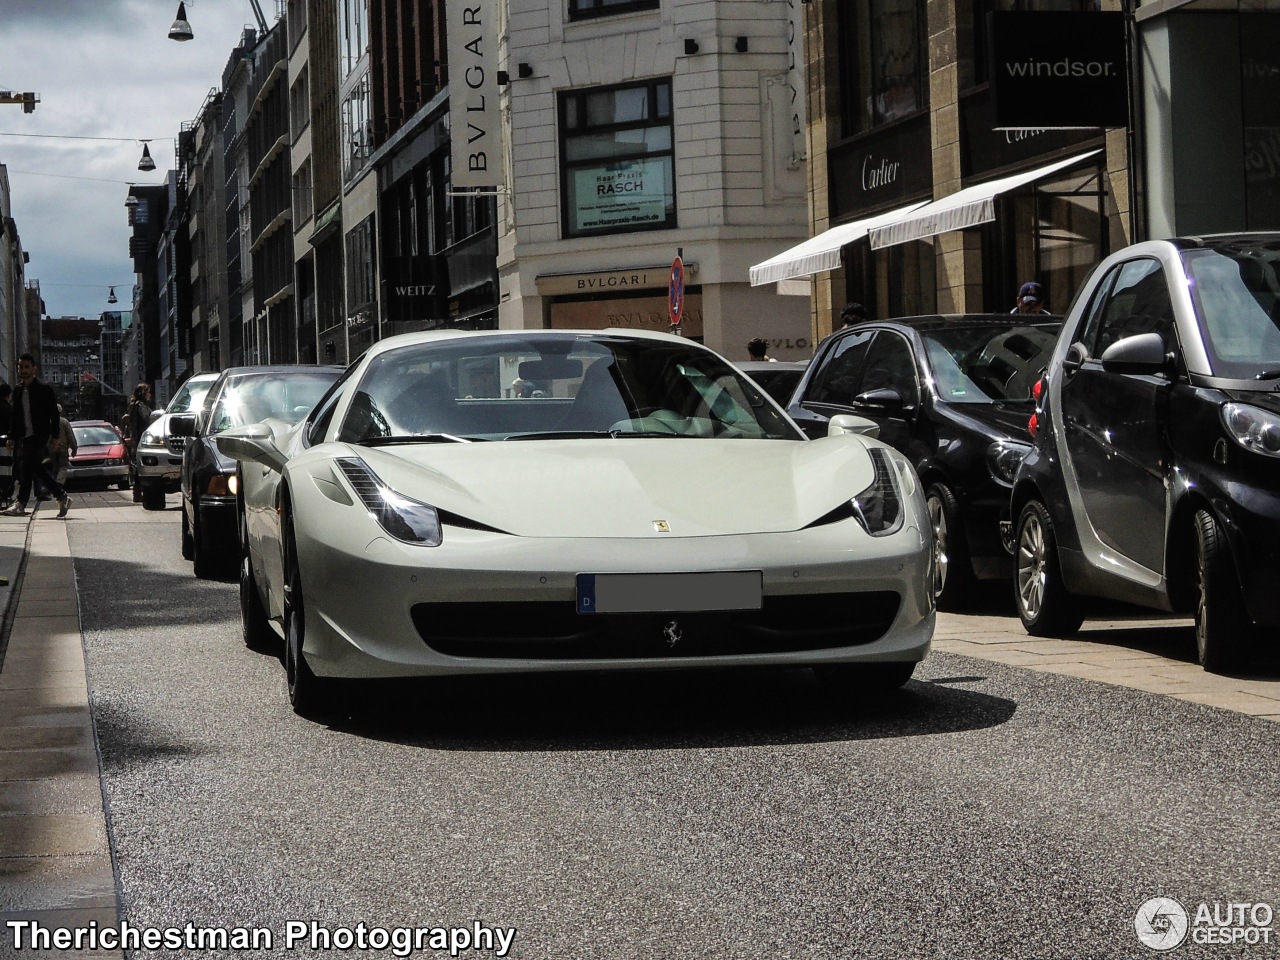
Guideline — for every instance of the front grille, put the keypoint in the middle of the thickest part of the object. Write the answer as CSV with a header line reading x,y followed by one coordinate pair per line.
x,y
556,631
88,463
176,445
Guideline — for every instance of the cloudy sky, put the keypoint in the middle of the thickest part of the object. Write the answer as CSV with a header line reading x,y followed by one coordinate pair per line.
x,y
102,68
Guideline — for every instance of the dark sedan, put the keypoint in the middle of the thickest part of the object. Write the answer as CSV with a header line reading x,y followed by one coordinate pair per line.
x,y
241,395
953,393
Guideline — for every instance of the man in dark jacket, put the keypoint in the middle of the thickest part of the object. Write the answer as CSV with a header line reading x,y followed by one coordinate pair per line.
x,y
34,428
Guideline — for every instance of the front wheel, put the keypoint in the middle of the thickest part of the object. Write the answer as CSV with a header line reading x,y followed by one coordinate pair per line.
x,y
952,573
1044,605
188,541
1221,623
152,498
309,695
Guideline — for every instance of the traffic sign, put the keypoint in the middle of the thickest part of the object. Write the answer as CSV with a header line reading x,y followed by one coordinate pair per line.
x,y
675,292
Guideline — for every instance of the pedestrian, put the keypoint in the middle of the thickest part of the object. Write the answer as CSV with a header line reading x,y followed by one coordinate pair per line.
x,y
852,313
60,459
6,456
758,349
34,427
1030,299
137,418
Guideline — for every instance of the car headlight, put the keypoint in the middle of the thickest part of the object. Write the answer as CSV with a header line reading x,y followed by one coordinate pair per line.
x,y
1253,428
150,439
879,507
113,461
223,485
1003,459
406,519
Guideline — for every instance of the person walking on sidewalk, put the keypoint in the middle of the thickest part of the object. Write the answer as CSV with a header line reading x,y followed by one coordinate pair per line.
x,y
34,428
7,472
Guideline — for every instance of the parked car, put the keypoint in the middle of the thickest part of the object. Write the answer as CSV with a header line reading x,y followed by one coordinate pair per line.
x,y
239,396
158,458
953,393
100,458
1155,476
778,377
655,510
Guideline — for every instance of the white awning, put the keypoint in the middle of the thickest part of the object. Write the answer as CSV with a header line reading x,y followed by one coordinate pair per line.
x,y
964,208
821,252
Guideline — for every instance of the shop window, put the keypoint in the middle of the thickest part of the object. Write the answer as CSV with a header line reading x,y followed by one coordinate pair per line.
x,y
882,63
618,163
586,9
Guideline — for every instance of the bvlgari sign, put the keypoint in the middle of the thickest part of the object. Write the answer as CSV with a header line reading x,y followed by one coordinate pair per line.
x,y
1057,71
475,132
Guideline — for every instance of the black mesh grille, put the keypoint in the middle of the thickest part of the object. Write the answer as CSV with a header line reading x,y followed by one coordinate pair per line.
x,y
556,631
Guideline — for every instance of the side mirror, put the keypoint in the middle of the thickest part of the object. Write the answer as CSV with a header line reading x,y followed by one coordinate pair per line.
x,y
254,443
1075,358
156,415
182,425
883,399
1142,353
845,423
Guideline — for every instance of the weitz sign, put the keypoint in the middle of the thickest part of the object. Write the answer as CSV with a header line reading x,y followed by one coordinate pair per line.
x,y
1058,71
476,150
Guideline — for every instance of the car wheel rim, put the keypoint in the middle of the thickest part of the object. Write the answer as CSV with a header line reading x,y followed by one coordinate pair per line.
x,y
1202,605
1031,564
938,520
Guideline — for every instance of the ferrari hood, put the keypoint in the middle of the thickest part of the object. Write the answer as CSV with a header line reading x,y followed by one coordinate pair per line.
x,y
630,487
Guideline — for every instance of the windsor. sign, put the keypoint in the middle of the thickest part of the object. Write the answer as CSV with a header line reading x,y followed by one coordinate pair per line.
x,y
1058,70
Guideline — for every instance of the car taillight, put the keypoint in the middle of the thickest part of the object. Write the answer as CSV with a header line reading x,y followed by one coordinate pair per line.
x,y
1037,389
1033,426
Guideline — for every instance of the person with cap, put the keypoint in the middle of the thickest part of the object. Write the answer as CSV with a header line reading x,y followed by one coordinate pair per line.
x,y
852,313
1030,299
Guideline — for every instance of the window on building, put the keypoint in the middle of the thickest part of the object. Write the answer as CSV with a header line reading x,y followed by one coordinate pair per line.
x,y
360,269
618,170
355,34
357,134
585,9
300,103
883,66
302,209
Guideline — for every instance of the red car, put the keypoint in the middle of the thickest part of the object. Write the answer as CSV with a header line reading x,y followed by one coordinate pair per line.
x,y
100,456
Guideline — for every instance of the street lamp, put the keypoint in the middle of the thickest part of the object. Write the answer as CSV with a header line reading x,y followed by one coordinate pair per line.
x,y
181,30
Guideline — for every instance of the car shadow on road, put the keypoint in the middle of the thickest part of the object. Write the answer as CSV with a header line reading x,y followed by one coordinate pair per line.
x,y
647,711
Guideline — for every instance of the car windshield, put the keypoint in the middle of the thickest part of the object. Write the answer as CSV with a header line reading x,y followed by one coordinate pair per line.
x,y
190,396
89,436
285,396
1236,294
989,364
557,386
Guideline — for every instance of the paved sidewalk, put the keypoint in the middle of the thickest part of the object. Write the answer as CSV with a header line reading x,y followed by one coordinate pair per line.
x,y
55,862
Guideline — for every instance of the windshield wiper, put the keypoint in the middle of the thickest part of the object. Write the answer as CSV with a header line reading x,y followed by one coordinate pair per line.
x,y
414,438
560,435
1268,375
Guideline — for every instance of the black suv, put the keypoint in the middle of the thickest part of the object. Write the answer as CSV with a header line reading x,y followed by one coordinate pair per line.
x,y
1155,476
952,393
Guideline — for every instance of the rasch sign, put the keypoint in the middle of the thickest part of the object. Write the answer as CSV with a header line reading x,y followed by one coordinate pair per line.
x,y
1058,70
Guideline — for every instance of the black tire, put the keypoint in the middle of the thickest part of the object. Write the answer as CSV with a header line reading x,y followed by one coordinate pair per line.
x,y
1222,626
123,484
211,561
952,569
309,695
188,542
153,498
254,622
1044,605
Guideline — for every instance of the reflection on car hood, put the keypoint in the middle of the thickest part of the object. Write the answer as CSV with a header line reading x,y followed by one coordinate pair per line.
x,y
93,450
619,488
1001,420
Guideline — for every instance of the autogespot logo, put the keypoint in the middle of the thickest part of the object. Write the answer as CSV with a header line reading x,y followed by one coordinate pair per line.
x,y
1161,923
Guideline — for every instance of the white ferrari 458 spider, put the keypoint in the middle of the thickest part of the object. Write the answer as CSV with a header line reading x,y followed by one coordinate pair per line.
x,y
552,500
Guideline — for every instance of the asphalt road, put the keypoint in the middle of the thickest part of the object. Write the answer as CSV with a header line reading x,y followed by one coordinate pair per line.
x,y
986,812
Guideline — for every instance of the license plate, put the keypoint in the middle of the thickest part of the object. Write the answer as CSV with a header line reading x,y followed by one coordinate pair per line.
x,y
172,474
670,592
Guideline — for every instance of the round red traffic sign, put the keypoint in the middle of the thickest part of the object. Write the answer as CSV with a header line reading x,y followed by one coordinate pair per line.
x,y
675,292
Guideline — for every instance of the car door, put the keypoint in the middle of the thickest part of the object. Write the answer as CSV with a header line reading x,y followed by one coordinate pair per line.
x,y
835,380
890,370
1114,423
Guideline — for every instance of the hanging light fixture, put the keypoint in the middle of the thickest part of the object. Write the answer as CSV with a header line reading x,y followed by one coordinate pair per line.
x,y
181,30
146,164
111,295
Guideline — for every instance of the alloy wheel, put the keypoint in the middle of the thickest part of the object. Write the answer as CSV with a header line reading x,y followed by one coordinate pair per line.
x,y
1031,564
938,520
